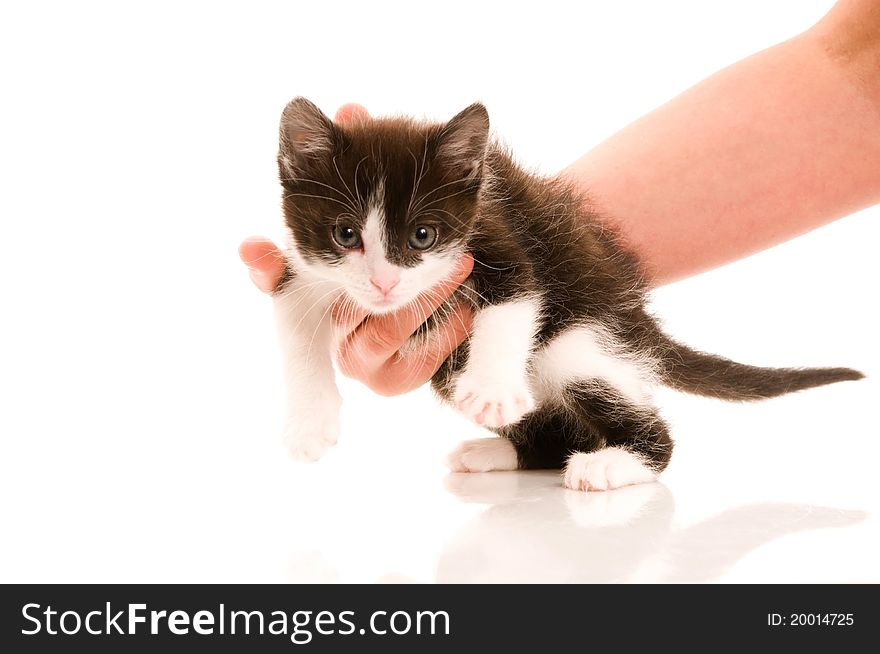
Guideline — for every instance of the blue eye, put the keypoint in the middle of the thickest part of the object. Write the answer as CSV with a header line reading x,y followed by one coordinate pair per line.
x,y
346,236
422,237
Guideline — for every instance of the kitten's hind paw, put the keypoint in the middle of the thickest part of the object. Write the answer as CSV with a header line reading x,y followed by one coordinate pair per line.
x,y
308,440
606,469
483,455
491,403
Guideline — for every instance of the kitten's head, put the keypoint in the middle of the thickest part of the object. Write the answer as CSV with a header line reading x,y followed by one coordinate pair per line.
x,y
384,207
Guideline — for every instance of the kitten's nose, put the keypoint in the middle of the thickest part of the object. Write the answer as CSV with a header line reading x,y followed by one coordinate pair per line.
x,y
384,282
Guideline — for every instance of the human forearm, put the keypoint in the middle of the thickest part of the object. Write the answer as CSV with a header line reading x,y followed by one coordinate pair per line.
x,y
769,148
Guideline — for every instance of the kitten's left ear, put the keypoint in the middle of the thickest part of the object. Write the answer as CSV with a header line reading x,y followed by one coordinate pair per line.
x,y
306,134
462,141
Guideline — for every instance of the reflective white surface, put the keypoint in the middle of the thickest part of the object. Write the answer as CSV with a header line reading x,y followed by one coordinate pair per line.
x,y
218,501
140,393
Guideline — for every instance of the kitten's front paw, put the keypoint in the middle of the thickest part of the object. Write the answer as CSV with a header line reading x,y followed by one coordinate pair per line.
x,y
307,439
606,469
493,403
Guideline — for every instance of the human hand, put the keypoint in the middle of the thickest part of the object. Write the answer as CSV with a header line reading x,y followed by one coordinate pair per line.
x,y
370,348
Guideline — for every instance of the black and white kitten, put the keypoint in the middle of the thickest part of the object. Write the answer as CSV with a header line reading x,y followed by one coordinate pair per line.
x,y
562,351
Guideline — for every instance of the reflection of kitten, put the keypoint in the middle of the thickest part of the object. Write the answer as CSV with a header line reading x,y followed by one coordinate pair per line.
x,y
562,349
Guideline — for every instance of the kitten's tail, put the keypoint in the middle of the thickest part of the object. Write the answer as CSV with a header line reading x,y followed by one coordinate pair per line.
x,y
699,373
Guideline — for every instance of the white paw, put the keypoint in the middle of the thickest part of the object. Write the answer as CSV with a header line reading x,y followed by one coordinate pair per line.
x,y
605,469
483,455
493,403
308,438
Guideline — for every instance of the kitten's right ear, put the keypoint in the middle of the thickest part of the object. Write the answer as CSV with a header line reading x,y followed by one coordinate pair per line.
x,y
306,134
462,141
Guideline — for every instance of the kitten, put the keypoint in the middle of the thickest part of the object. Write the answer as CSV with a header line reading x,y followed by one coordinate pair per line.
x,y
562,349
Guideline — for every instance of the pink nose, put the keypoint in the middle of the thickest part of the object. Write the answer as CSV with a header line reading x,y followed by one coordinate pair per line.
x,y
384,282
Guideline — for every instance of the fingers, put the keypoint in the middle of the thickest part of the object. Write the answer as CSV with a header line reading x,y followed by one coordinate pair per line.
x,y
403,374
264,261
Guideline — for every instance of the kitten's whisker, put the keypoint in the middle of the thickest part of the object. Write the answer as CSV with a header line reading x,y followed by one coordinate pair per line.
x,y
347,311
357,192
486,265
415,186
415,369
318,326
321,298
320,197
348,199
354,199
465,288
420,170
432,211
441,187
294,288
424,207
308,180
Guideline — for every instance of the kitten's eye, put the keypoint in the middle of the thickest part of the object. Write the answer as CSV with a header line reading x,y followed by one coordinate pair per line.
x,y
423,237
346,236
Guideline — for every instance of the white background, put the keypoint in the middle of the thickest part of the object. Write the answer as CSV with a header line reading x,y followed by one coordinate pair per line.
x,y
140,391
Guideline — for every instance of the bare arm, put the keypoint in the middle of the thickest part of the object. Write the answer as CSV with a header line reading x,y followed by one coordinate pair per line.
x,y
764,150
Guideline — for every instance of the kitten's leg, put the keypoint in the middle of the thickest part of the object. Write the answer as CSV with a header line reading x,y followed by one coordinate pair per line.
x,y
302,310
545,438
634,440
602,439
493,389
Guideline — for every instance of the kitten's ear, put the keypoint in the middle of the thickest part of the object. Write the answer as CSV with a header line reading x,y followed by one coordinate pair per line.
x,y
306,134
462,141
